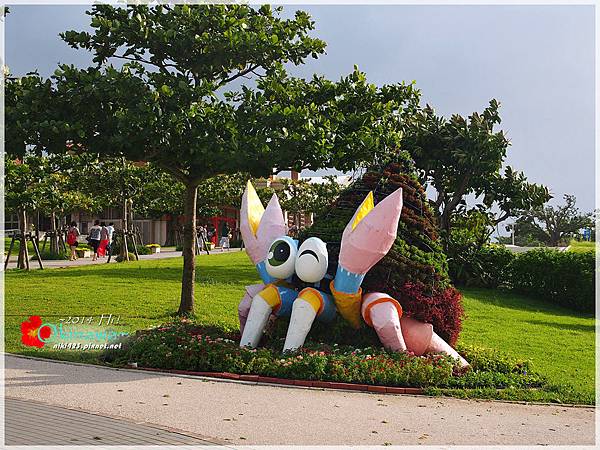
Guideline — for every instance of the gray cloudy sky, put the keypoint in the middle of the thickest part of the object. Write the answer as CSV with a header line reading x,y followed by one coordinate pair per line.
x,y
538,61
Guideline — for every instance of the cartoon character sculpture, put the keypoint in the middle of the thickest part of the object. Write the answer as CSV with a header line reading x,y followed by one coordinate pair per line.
x,y
366,239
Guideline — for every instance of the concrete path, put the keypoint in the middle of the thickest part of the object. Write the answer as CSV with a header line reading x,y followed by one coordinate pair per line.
x,y
170,253
241,413
33,423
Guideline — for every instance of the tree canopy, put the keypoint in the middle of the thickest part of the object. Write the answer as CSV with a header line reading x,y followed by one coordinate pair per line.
x,y
182,99
464,156
553,225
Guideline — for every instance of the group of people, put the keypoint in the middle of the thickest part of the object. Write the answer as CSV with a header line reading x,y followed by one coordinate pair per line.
x,y
208,233
99,237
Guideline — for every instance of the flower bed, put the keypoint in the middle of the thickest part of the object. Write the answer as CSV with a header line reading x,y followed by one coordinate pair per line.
x,y
187,346
154,248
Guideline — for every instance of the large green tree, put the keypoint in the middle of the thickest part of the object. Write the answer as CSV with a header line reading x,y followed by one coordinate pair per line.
x,y
462,157
553,225
173,102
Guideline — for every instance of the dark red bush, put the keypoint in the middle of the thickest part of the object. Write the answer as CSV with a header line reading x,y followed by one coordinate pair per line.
x,y
443,309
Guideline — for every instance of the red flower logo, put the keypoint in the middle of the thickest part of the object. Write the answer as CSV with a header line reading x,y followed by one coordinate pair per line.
x,y
30,330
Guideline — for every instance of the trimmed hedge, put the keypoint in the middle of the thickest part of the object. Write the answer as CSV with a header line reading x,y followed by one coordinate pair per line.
x,y
485,266
563,278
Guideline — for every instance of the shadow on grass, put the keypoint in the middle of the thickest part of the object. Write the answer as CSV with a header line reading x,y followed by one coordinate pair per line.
x,y
512,300
564,326
238,274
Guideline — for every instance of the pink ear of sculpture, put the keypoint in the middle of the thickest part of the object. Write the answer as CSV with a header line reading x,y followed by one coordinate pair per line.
x,y
246,302
370,240
271,226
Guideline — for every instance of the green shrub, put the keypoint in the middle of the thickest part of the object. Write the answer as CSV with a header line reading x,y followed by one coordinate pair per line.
x,y
48,256
564,278
119,258
481,266
143,250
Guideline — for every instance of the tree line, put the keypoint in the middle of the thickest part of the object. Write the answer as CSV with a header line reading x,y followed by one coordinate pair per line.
x,y
202,92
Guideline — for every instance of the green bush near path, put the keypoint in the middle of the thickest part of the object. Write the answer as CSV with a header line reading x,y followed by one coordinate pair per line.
x,y
582,246
563,278
558,341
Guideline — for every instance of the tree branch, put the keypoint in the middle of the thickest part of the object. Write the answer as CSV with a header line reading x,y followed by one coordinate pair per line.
x,y
239,74
178,174
502,218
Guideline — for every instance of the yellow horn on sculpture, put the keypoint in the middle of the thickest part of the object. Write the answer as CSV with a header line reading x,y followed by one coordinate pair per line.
x,y
365,208
255,208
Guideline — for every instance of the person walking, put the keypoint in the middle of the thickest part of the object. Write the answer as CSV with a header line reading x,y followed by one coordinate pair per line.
x,y
72,235
224,242
103,240
94,238
111,231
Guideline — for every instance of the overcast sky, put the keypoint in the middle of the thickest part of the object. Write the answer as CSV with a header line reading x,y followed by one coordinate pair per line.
x,y
538,61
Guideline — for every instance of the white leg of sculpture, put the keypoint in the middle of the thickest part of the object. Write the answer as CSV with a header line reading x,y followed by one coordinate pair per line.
x,y
303,316
259,313
246,302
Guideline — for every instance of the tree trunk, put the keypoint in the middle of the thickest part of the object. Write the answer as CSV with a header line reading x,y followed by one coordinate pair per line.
x,y
54,238
124,249
172,238
189,255
23,253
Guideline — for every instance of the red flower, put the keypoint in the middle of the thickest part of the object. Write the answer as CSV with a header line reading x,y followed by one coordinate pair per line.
x,y
29,332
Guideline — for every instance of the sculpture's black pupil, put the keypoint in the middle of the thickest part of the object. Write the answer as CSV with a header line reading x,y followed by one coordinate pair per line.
x,y
281,252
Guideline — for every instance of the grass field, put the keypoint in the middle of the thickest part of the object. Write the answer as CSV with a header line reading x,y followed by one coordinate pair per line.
x,y
560,342
582,246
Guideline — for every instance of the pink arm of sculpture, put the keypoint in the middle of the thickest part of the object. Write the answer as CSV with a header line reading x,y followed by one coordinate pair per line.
x,y
399,333
270,227
366,242
246,302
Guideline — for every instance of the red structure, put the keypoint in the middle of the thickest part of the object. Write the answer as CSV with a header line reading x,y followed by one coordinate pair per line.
x,y
230,216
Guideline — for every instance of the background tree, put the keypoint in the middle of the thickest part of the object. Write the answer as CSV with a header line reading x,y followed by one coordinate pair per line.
x,y
170,103
44,184
21,196
62,191
461,157
302,196
553,225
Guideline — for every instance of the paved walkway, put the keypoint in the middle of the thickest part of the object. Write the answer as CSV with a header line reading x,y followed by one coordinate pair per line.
x,y
33,423
242,414
169,253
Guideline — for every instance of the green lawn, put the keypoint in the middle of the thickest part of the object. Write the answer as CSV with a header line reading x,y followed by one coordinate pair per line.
x,y
560,342
17,244
582,246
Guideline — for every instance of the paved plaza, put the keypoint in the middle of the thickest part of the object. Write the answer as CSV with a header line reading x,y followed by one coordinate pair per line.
x,y
31,423
244,413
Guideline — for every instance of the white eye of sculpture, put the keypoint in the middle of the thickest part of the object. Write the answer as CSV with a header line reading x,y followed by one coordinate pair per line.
x,y
281,257
312,260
